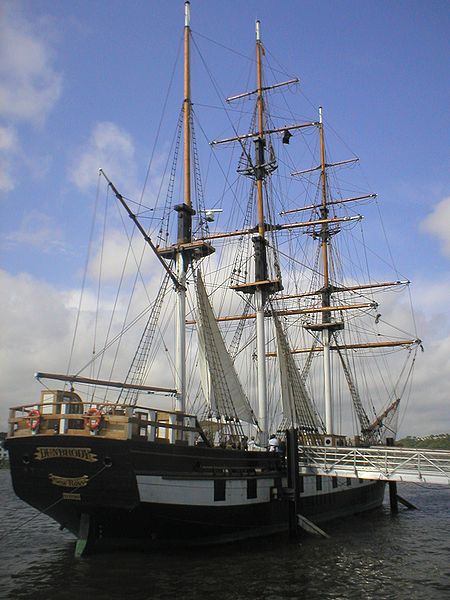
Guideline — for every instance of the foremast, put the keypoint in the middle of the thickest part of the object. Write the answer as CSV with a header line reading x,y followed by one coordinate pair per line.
x,y
184,236
185,250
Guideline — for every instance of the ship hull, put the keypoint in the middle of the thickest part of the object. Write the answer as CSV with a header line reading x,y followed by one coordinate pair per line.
x,y
146,493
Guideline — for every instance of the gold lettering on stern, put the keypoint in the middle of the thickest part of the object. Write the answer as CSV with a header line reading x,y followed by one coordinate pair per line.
x,y
70,482
70,496
42,453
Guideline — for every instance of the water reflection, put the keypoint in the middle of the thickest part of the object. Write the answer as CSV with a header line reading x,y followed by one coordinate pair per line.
x,y
367,557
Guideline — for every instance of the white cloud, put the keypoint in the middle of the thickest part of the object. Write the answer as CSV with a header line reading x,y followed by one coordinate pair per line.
x,y
110,148
29,86
9,146
37,322
8,139
117,260
29,83
438,222
40,231
425,406
428,409
29,343
6,179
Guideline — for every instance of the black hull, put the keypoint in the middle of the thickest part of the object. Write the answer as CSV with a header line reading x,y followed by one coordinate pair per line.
x,y
106,491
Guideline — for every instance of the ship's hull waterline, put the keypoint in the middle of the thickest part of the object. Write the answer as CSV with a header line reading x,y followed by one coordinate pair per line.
x,y
151,493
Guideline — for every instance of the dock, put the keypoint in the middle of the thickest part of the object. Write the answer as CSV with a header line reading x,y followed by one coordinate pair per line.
x,y
407,465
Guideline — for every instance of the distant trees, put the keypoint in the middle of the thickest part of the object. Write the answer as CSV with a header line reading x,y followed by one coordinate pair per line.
x,y
438,441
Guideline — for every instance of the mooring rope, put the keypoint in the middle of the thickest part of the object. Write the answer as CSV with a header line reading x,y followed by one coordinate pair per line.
x,y
13,530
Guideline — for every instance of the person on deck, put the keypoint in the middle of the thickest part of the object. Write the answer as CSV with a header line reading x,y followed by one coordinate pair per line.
x,y
273,443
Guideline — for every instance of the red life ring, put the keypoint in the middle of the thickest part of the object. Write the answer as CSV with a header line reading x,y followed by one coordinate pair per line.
x,y
93,418
33,419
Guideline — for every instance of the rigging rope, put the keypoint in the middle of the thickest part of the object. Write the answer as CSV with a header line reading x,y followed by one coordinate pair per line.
x,y
50,506
86,266
137,370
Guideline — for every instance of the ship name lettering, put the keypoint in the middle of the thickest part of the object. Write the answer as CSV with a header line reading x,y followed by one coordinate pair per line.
x,y
71,482
42,453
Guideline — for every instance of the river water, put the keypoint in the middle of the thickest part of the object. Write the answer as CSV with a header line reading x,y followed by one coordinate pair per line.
x,y
375,556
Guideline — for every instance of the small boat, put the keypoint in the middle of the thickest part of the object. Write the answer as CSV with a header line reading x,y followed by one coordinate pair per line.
x,y
255,330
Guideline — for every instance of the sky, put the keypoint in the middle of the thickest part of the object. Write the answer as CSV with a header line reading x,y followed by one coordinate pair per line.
x,y
81,87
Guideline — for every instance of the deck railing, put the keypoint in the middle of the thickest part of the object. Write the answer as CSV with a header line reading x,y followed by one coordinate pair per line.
x,y
119,421
382,463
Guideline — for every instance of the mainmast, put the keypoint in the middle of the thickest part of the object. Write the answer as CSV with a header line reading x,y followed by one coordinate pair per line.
x,y
260,141
267,278
260,249
326,290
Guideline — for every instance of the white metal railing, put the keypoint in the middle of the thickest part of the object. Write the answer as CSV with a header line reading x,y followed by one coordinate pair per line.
x,y
387,464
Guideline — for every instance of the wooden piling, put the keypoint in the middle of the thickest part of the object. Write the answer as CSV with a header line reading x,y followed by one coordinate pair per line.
x,y
393,499
293,481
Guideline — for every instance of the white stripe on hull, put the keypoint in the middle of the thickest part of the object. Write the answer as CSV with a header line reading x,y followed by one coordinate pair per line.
x,y
200,492
310,485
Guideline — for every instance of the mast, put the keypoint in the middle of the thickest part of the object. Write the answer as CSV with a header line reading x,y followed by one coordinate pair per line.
x,y
185,250
267,278
185,213
187,106
259,142
326,291
260,250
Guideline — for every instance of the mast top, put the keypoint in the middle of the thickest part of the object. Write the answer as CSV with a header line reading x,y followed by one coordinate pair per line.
x,y
187,13
258,32
320,115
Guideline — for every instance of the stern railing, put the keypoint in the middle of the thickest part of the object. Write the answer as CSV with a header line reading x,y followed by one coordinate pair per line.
x,y
64,413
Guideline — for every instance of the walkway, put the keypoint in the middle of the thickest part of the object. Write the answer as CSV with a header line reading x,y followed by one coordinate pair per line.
x,y
380,463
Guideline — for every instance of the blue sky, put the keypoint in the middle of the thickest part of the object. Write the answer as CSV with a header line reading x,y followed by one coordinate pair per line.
x,y
82,77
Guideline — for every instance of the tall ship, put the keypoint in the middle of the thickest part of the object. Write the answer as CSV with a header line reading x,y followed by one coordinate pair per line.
x,y
264,320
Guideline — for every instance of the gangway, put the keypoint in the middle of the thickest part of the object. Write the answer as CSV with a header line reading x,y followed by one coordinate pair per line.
x,y
379,463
